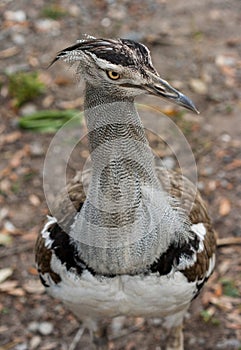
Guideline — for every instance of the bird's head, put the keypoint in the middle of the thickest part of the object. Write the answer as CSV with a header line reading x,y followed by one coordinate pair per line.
x,y
122,68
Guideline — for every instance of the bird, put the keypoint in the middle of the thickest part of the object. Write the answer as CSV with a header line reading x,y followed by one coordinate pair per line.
x,y
130,237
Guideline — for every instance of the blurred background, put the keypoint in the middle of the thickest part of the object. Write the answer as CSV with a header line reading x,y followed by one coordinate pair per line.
x,y
196,46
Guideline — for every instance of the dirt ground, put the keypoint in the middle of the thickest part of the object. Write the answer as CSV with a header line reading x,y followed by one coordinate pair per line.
x,y
196,46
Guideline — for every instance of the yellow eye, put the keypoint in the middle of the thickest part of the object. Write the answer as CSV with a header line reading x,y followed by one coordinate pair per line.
x,y
113,75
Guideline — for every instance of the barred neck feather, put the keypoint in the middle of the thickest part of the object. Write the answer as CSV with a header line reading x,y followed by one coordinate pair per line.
x,y
127,220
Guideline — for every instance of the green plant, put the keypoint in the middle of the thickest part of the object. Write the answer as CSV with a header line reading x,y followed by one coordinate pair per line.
x,y
25,87
229,288
50,120
53,11
208,316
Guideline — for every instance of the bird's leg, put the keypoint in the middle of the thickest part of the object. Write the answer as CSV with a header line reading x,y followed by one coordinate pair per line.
x,y
174,330
76,339
174,339
100,336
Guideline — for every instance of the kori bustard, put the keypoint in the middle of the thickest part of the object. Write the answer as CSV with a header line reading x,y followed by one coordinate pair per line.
x,y
140,241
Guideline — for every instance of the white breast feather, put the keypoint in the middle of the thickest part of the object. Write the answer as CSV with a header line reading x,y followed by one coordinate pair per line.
x,y
45,231
147,296
200,231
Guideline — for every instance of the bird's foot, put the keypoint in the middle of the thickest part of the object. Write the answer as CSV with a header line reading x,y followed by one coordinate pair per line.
x,y
76,339
100,337
174,340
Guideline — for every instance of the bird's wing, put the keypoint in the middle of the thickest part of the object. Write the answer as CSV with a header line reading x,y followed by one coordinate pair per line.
x,y
67,204
191,201
178,187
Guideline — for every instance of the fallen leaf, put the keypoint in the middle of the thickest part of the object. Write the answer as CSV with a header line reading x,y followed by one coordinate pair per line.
x,y
224,266
224,206
8,286
48,101
9,227
17,292
10,138
218,290
34,200
33,61
3,329
5,273
232,325
131,345
5,239
33,271
17,157
72,104
34,287
225,61
234,317
11,51
236,163
206,297
30,236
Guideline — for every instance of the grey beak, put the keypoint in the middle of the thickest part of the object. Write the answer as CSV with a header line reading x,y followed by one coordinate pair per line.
x,y
163,89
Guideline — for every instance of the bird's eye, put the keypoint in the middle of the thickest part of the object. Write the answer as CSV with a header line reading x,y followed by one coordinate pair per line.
x,y
113,75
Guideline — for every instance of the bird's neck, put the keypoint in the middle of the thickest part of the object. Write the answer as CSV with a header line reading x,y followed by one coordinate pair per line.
x,y
122,226
116,133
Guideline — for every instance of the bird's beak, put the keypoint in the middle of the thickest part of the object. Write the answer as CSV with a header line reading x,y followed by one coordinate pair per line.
x,y
162,88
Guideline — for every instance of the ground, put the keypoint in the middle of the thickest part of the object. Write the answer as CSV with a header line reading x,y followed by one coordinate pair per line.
x,y
197,47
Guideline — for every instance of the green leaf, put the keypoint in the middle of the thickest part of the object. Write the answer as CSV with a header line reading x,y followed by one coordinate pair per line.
x,y
50,120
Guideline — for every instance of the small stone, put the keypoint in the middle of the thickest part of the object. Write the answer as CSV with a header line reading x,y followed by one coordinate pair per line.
x,y
198,86
18,39
22,346
224,206
9,226
117,11
229,344
17,67
48,25
16,16
33,326
200,185
28,109
201,341
45,328
36,149
106,22
212,185
208,171
74,10
39,312
226,138
224,183
192,341
225,60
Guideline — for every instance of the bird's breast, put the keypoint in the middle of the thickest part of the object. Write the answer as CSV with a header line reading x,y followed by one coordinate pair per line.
x,y
139,295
